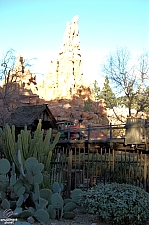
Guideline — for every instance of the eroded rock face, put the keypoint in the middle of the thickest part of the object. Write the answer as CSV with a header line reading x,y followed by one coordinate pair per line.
x,y
72,110
65,74
64,88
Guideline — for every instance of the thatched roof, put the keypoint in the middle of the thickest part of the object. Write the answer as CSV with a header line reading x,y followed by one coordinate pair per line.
x,y
26,115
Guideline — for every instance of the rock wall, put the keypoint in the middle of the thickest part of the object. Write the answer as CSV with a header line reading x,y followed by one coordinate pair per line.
x,y
93,113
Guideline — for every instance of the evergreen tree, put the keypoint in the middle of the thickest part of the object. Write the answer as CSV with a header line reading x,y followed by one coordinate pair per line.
x,y
107,94
96,90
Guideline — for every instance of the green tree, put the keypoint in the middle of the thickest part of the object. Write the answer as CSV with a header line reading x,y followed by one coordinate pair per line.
x,y
96,90
107,94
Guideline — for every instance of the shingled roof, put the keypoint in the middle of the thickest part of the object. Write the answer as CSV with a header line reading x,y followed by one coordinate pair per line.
x,y
26,115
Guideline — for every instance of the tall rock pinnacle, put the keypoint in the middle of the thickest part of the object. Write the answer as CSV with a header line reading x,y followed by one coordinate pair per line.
x,y
65,75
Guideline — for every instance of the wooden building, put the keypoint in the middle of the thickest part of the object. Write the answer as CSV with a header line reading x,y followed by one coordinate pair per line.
x,y
30,115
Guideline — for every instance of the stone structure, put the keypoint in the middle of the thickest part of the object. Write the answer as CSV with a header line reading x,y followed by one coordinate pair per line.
x,y
65,75
22,74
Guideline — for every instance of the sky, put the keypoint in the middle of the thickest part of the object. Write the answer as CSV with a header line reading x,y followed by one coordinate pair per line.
x,y
35,28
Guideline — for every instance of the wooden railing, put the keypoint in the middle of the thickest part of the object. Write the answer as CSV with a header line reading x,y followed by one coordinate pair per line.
x,y
86,133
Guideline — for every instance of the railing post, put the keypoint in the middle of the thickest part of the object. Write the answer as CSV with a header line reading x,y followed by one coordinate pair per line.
x,y
89,132
68,133
110,130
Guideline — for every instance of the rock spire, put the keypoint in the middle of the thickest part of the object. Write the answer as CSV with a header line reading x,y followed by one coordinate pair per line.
x,y
65,74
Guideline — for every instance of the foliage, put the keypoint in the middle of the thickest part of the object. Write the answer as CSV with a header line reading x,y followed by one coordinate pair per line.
x,y
25,197
96,90
130,80
37,146
117,203
87,105
24,189
107,94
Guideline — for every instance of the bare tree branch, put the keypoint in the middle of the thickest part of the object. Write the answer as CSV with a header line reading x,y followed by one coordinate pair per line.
x,y
129,80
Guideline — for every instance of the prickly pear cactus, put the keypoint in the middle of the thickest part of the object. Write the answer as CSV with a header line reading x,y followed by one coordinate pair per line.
x,y
30,163
70,207
52,211
5,204
26,213
4,166
42,216
75,195
4,169
57,201
56,187
3,183
45,193
20,201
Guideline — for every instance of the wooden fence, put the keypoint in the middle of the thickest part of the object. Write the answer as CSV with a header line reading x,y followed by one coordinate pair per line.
x,y
84,168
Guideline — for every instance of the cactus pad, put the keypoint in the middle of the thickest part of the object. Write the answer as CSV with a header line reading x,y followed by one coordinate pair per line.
x,y
33,210
56,187
41,215
2,194
67,200
5,204
13,179
17,211
42,203
76,195
3,182
20,191
36,192
38,178
70,207
30,163
57,201
18,184
45,193
30,178
4,166
61,187
38,168
26,213
20,201
51,211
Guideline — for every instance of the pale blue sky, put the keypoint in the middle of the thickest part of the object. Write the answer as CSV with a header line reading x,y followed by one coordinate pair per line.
x,y
35,28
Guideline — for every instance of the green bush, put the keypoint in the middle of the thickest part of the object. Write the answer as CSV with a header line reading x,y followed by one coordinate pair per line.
x,y
117,203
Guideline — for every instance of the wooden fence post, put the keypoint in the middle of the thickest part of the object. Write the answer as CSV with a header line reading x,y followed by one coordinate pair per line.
x,y
145,172
88,132
110,130
113,159
69,172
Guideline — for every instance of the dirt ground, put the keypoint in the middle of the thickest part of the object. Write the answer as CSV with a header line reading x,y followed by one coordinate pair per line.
x,y
80,219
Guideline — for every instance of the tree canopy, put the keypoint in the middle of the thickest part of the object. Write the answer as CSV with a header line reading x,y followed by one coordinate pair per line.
x,y
107,94
130,80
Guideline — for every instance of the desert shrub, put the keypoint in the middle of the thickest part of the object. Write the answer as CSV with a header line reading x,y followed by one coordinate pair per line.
x,y
117,203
